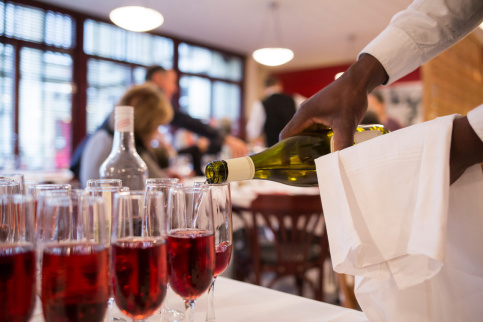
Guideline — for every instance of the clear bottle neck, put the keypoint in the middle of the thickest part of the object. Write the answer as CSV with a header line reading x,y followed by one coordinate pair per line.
x,y
123,141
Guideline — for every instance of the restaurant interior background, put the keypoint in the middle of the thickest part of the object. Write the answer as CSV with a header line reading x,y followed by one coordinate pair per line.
x,y
64,65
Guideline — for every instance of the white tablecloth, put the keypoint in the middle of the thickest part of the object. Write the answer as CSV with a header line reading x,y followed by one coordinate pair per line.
x,y
242,302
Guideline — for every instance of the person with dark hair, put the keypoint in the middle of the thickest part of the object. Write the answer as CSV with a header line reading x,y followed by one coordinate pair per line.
x,y
166,81
269,116
376,104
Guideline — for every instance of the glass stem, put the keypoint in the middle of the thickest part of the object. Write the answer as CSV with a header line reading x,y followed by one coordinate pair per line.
x,y
189,314
210,315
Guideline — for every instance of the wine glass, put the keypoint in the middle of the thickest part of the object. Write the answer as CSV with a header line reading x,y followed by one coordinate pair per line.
x,y
167,313
17,177
191,247
75,281
138,253
221,200
9,187
36,188
17,257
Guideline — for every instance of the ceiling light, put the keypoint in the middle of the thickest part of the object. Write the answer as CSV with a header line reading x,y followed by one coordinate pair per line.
x,y
481,25
273,56
135,18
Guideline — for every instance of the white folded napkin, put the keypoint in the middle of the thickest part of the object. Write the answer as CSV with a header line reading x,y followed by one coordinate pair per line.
x,y
390,215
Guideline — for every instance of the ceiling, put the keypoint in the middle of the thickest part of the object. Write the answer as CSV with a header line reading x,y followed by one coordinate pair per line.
x,y
320,32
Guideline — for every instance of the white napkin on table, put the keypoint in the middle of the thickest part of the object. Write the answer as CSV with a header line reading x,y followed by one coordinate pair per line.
x,y
394,221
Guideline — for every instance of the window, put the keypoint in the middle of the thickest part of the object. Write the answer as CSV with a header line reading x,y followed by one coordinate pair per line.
x,y
107,79
107,83
7,133
45,107
43,65
198,60
211,85
45,87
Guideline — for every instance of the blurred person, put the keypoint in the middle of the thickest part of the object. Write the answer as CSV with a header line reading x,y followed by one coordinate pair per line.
x,y
151,109
167,82
188,143
375,102
269,116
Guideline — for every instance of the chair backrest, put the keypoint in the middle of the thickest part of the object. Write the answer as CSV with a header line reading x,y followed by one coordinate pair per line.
x,y
296,223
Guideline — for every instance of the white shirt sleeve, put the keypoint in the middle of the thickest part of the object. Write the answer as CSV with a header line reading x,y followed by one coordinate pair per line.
x,y
256,121
475,118
421,32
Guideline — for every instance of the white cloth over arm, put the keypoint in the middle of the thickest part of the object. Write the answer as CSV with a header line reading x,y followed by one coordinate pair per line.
x,y
393,220
421,32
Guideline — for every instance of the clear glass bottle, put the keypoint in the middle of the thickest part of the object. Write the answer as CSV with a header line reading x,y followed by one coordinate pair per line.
x,y
124,162
291,161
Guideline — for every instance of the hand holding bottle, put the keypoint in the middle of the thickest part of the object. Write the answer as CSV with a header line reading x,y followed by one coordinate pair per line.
x,y
342,104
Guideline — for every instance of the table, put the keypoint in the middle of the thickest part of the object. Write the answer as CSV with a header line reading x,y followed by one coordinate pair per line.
x,y
241,302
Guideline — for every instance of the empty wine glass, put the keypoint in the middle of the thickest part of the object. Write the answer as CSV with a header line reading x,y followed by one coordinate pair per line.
x,y
138,253
75,280
9,187
191,248
17,257
36,188
17,177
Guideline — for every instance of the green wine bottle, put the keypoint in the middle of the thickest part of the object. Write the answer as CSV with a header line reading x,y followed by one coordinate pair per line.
x,y
291,161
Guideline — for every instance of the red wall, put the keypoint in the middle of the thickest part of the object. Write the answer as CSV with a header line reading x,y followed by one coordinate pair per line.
x,y
309,81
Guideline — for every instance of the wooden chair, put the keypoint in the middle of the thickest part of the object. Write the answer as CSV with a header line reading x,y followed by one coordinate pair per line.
x,y
299,241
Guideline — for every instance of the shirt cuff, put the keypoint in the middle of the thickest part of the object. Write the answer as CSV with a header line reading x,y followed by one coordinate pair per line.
x,y
475,118
396,51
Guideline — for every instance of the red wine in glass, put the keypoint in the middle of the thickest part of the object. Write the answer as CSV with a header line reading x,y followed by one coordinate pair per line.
x,y
191,257
223,256
139,275
17,282
75,282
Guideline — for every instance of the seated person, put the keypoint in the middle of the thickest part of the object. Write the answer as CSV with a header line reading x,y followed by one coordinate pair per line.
x,y
151,109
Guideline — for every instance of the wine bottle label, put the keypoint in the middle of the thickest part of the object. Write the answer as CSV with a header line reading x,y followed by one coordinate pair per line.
x,y
240,169
358,137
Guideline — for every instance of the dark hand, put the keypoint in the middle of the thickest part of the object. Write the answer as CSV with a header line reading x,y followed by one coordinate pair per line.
x,y
342,104
466,148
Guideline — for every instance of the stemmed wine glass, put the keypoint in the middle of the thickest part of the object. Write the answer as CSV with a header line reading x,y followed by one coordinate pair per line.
x,y
163,185
17,257
221,199
75,281
191,247
138,253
